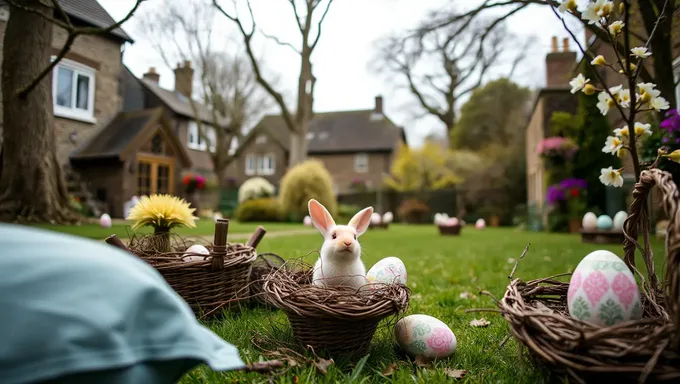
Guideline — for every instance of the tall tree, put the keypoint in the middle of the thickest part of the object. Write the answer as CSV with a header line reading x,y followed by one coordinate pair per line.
x,y
442,65
297,122
226,83
32,183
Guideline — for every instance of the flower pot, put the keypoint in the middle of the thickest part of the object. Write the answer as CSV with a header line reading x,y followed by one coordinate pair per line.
x,y
495,221
574,225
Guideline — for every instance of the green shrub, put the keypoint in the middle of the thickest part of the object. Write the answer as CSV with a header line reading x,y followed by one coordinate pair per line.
x,y
413,211
255,188
264,209
305,181
346,212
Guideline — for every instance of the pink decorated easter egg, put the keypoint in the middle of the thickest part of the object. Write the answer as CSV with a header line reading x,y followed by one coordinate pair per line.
x,y
603,291
423,335
480,224
390,270
307,221
105,220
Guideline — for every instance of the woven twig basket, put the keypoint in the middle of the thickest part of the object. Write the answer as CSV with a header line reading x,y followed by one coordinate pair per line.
x,y
340,321
450,230
206,285
643,350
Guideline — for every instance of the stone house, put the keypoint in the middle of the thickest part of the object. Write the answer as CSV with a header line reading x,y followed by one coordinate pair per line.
x,y
353,145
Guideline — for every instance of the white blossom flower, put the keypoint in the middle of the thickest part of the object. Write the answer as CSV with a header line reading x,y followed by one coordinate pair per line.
x,y
599,60
659,104
612,145
578,82
642,129
640,52
596,10
621,132
648,92
616,27
623,97
568,5
604,102
610,176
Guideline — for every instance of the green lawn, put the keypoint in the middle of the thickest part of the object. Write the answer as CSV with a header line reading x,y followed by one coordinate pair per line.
x,y
203,227
440,269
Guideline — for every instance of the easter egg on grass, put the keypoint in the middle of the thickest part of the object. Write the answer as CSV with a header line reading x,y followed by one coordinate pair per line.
x,y
196,248
376,218
105,220
603,291
307,221
388,217
604,223
589,222
619,219
390,270
423,335
480,224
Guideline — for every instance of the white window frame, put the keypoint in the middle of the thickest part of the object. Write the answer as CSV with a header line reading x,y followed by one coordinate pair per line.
x,y
260,139
73,112
676,77
361,163
251,164
199,144
266,164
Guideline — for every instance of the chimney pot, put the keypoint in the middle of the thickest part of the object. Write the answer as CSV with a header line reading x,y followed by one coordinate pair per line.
x,y
565,44
559,65
378,104
152,75
554,43
187,63
184,78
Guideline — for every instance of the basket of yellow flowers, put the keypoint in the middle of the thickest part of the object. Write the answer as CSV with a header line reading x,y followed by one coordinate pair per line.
x,y
206,275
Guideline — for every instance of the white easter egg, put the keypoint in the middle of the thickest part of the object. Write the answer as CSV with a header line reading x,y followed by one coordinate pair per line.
x,y
451,222
480,224
196,248
423,335
105,220
388,217
388,270
619,219
589,222
438,218
307,221
376,218
603,291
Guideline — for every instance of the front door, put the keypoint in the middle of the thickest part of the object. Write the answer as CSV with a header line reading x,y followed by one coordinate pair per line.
x,y
155,174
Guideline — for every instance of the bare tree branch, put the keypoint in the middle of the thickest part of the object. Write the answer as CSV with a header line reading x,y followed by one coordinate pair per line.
x,y
280,42
72,34
318,28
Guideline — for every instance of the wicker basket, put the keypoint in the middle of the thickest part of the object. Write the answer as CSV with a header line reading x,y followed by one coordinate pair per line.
x,y
379,226
450,230
339,321
206,285
642,350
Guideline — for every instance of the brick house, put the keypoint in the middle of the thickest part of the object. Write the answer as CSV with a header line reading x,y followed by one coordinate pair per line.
x,y
353,145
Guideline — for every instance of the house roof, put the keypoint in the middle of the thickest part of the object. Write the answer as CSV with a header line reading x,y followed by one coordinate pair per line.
x,y
91,12
117,139
177,102
342,131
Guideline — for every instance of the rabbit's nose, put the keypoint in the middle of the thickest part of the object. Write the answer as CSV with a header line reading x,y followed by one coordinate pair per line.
x,y
347,242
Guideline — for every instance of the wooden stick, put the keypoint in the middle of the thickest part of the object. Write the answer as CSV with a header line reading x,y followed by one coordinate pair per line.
x,y
116,242
220,243
263,366
256,237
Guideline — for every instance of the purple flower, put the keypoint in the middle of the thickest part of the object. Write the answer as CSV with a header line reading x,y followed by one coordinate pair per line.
x,y
554,194
572,182
665,140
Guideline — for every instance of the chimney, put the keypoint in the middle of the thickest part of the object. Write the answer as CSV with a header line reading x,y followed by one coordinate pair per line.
x,y
152,75
378,105
184,77
559,65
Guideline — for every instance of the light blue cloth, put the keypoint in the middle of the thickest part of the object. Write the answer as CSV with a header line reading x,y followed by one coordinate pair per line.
x,y
82,311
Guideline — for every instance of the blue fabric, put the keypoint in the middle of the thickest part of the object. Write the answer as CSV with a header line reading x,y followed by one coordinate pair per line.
x,y
73,308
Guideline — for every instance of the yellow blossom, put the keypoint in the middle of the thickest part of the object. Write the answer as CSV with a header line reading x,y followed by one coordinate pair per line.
x,y
162,211
589,89
674,156
599,60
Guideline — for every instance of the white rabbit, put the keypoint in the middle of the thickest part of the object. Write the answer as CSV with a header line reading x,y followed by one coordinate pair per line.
x,y
340,262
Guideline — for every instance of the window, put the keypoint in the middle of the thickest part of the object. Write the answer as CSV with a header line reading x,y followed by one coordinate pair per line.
x,y
261,139
361,163
676,77
266,165
250,164
73,91
199,142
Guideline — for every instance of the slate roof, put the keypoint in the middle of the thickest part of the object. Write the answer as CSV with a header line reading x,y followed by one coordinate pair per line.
x,y
177,102
116,135
91,12
342,131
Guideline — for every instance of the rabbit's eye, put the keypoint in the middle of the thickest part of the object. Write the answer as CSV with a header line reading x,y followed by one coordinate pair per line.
x,y
355,237
335,236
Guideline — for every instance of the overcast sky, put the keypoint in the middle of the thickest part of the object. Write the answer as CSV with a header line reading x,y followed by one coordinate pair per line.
x,y
341,61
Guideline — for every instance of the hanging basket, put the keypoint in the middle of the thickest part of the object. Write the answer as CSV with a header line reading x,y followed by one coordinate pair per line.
x,y
340,321
638,350
206,285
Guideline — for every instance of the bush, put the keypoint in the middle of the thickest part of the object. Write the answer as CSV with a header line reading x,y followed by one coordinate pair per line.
x,y
255,188
305,181
265,209
413,211
346,212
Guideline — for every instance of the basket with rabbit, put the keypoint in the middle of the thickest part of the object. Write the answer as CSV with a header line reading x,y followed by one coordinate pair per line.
x,y
332,307
206,275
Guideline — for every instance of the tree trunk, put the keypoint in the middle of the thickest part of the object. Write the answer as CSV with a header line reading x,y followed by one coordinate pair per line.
x,y
32,183
298,148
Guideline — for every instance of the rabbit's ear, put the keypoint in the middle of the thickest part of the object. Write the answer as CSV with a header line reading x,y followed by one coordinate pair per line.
x,y
321,218
361,220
